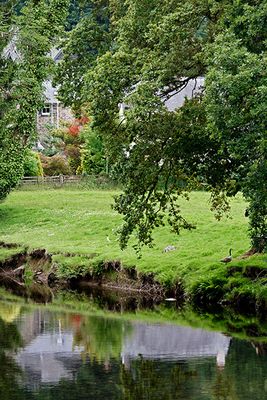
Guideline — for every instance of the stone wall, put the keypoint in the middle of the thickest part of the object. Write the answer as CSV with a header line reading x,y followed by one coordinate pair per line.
x,y
58,114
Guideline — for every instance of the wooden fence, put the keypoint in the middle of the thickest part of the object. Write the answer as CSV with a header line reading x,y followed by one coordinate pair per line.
x,y
59,180
83,181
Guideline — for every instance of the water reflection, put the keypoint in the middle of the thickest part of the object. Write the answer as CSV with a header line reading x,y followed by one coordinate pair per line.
x,y
51,355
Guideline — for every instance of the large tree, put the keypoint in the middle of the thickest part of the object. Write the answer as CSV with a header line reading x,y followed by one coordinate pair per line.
x,y
24,65
216,138
81,47
236,105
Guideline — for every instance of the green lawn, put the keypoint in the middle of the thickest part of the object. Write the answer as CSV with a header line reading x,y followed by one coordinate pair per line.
x,y
82,222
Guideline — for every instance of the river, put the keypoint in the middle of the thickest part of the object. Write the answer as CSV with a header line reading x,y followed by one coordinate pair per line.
x,y
48,353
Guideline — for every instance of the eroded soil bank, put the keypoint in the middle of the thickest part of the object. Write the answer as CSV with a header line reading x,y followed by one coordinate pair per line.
x,y
27,272
36,274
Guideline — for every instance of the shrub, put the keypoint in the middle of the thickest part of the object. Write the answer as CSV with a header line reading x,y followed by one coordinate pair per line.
x,y
55,165
11,165
93,159
208,292
32,164
73,155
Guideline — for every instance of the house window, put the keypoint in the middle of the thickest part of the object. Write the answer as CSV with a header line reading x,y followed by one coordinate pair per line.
x,y
46,109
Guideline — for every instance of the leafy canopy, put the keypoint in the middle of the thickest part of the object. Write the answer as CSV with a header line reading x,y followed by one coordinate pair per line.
x,y
151,49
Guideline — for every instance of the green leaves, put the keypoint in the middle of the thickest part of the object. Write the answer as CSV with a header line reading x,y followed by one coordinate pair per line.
x,y
235,97
81,47
148,53
25,66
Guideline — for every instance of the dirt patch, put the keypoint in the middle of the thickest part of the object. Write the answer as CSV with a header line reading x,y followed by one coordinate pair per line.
x,y
9,245
248,254
112,275
34,291
254,272
14,261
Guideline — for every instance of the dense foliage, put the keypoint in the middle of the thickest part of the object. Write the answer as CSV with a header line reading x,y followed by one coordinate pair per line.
x,y
55,165
32,165
77,10
235,97
24,65
217,138
93,155
81,46
74,148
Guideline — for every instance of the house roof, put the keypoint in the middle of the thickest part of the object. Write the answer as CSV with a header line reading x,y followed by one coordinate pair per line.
x,y
56,54
175,100
11,50
193,87
50,92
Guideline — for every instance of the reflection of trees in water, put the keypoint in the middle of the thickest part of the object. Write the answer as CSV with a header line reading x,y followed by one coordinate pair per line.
x,y
9,312
10,338
247,371
182,380
244,376
152,379
260,348
10,373
223,387
92,381
101,338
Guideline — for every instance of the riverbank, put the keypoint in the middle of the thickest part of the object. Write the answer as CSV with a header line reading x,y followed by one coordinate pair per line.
x,y
77,230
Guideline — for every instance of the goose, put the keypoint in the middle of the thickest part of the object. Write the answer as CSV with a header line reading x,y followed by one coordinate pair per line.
x,y
228,258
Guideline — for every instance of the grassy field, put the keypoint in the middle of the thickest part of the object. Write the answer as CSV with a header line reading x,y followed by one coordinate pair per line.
x,y
79,228
83,223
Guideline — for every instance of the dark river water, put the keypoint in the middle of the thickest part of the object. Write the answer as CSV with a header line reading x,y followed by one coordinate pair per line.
x,y
69,356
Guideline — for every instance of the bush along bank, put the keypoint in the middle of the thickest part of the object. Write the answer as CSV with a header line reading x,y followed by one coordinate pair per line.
x,y
240,285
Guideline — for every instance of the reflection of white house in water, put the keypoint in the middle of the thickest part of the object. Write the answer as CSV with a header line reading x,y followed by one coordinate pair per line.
x,y
49,354
50,357
172,342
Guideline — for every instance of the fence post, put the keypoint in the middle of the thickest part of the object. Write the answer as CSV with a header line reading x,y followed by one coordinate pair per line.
x,y
61,179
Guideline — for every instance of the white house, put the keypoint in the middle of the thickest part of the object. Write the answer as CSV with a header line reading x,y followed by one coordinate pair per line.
x,y
175,100
53,111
